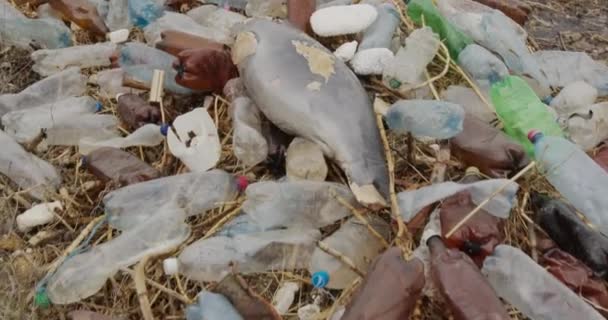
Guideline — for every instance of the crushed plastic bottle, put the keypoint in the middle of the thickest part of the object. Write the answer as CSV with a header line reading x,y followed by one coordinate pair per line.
x,y
206,69
68,83
574,96
144,12
454,39
468,294
390,289
380,33
25,169
342,20
531,289
470,102
299,12
575,175
437,119
183,23
195,193
217,18
174,42
211,259
588,126
23,32
84,274
324,89
572,235
305,161
211,305
83,13
266,8
482,65
48,62
135,112
521,110
410,62
489,149
250,146
118,15
111,164
354,241
514,9
148,135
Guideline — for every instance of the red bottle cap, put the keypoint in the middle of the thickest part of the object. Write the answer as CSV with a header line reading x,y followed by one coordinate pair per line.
x,y
242,183
532,135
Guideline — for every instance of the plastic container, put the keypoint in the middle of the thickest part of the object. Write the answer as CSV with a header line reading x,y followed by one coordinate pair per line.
x,y
354,241
250,146
575,175
48,62
83,13
521,111
430,118
380,33
111,164
531,289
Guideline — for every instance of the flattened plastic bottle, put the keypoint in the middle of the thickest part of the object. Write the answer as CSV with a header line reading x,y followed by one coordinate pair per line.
x,y
48,62
578,277
83,13
480,234
514,9
249,145
174,42
466,291
109,164
195,193
217,18
572,235
183,23
205,69
65,84
601,157
134,111
355,241
299,12
390,289
531,289
521,110
25,169
489,149
437,119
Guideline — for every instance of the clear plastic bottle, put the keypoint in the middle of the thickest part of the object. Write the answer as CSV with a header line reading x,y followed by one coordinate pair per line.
x,y
521,110
144,12
249,145
84,274
195,193
531,289
380,33
48,62
118,15
588,126
111,164
410,61
575,175
110,83
437,119
481,64
211,259
68,83
25,169
181,22
135,53
217,18
469,101
211,305
354,241
148,135
143,73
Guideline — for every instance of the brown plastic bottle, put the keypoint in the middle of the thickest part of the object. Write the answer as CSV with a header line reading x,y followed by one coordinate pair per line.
x,y
299,12
601,156
248,303
174,42
514,9
577,276
114,164
82,13
205,69
481,234
390,289
489,149
135,112
466,291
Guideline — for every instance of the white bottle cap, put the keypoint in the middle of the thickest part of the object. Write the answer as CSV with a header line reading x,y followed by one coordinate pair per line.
x,y
118,36
171,266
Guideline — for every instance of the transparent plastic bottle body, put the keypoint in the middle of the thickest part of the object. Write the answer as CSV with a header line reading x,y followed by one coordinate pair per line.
x,y
576,176
470,102
48,62
144,12
481,64
410,61
250,146
437,119
531,289
211,259
65,84
84,274
118,15
148,136
521,110
217,18
25,169
354,241
210,305
110,83
195,193
588,126
182,22
380,33
143,73
135,53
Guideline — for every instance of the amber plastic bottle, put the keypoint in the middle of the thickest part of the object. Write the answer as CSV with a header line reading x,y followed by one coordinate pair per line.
x,y
481,234
487,148
111,164
299,12
135,112
390,289
82,13
465,290
514,9
174,42
206,69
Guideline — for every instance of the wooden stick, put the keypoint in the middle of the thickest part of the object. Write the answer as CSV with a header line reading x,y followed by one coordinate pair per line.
x,y
142,291
361,218
344,259
478,208
160,287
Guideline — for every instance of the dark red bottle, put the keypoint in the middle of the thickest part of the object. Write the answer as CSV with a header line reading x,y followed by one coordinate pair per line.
x,y
174,42
206,69
111,164
82,13
135,112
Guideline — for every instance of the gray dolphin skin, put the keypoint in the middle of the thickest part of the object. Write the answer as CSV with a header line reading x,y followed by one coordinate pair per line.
x,y
306,91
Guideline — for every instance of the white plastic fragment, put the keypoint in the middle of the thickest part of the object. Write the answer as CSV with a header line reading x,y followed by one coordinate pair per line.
x,y
340,20
195,141
309,311
371,61
118,36
574,96
38,215
346,51
284,297
148,135
171,266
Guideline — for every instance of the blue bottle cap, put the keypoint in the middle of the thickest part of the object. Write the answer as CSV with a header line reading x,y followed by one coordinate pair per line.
x,y
494,78
164,128
534,135
320,279
98,106
547,100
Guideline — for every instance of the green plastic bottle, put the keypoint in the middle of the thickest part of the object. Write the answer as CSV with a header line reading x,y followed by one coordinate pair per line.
x,y
455,40
521,110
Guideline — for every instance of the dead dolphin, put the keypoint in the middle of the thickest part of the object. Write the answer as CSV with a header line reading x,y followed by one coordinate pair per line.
x,y
306,91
